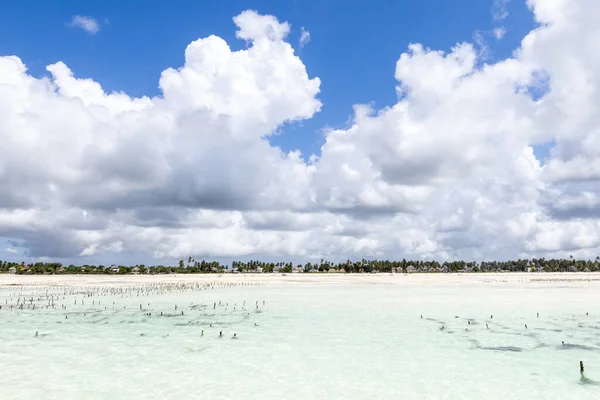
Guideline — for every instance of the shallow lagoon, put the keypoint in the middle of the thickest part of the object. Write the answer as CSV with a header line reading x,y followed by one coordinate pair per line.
x,y
334,341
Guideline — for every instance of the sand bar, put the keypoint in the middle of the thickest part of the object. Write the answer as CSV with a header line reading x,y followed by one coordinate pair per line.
x,y
592,278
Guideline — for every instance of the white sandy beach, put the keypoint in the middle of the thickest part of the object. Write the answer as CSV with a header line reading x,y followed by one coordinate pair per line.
x,y
314,279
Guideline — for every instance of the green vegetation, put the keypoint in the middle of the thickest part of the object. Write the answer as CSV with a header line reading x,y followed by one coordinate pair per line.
x,y
363,266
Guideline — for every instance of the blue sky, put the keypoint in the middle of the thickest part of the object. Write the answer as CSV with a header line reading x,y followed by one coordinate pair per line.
x,y
353,49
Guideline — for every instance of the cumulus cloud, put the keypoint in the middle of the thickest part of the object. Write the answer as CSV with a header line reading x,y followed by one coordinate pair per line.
x,y
304,37
449,171
88,24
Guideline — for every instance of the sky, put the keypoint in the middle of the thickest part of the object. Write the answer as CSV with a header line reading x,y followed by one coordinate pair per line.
x,y
138,132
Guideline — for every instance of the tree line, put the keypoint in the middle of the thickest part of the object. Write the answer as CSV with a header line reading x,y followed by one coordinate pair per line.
x,y
192,266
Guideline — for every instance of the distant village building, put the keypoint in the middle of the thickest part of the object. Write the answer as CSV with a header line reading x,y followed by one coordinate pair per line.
x,y
297,270
12,270
411,269
135,271
62,270
259,270
114,268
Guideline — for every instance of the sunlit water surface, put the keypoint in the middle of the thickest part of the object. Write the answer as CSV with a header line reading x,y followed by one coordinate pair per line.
x,y
305,342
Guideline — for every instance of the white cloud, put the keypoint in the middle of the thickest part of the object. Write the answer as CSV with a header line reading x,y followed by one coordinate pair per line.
x,y
499,9
10,250
483,50
499,32
304,37
88,24
449,171
253,26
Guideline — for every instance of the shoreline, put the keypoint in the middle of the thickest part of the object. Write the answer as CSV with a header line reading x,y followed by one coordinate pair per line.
x,y
529,278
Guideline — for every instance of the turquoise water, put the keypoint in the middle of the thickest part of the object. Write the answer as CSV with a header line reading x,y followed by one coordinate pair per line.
x,y
332,341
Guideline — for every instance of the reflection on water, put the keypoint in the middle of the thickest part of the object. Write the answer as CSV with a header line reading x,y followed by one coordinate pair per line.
x,y
587,381
298,341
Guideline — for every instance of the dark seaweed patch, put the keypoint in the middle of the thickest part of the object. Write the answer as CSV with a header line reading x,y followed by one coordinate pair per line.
x,y
569,346
502,348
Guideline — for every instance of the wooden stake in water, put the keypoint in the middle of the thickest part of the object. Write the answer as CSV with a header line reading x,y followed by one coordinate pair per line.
x,y
581,367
